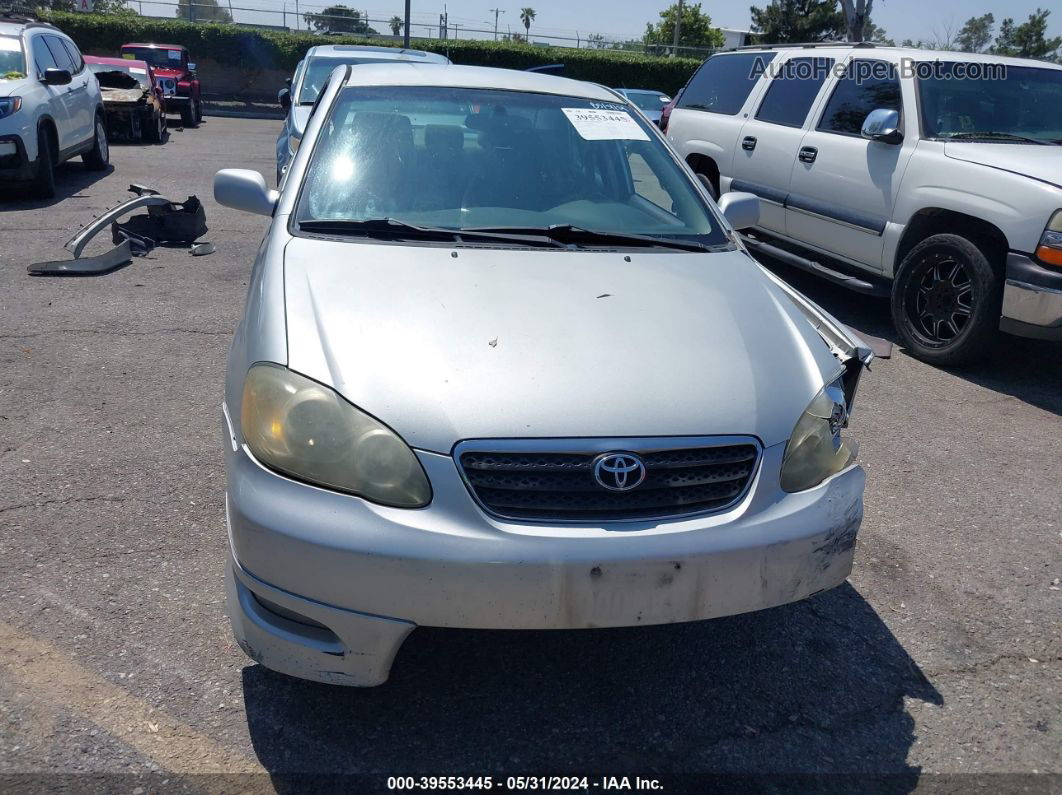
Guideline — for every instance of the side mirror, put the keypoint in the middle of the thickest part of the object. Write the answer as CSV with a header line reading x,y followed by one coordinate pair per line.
x,y
882,125
191,66
56,77
245,190
284,98
741,210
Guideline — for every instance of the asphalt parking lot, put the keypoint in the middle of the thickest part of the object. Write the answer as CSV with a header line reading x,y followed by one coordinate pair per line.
x,y
942,655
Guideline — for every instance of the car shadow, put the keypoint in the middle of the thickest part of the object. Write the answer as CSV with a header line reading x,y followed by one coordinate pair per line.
x,y
814,687
71,178
1029,370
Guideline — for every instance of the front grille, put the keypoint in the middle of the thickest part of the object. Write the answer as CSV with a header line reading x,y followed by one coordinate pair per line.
x,y
524,483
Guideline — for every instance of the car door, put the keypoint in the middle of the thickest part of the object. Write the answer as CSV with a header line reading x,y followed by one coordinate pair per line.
x,y
769,142
86,89
74,95
842,190
58,107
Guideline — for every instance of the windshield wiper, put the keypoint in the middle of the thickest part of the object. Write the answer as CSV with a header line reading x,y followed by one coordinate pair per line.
x,y
997,136
392,228
576,235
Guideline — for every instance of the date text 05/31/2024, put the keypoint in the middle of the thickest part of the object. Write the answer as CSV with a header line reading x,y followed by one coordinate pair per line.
x,y
520,783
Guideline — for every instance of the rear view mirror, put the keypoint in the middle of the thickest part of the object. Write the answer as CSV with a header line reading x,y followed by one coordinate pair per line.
x,y
741,210
284,98
882,125
56,77
245,190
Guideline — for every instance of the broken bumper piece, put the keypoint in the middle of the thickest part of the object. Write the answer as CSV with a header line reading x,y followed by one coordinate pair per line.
x,y
85,266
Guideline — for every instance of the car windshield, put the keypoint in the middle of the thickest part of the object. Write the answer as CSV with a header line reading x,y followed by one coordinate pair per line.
x,y
12,64
1020,103
318,69
156,56
462,158
648,100
114,76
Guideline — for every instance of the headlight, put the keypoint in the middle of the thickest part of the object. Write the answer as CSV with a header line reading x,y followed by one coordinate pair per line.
x,y
816,449
9,105
1050,248
308,431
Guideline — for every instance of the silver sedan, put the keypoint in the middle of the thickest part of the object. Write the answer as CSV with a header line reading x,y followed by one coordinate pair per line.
x,y
504,364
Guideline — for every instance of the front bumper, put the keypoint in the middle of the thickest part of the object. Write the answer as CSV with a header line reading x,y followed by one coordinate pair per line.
x,y
352,578
1032,299
15,165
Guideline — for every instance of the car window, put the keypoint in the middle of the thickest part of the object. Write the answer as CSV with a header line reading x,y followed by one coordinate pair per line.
x,y
793,90
75,55
648,100
42,56
60,54
156,56
867,85
464,158
11,61
317,71
724,82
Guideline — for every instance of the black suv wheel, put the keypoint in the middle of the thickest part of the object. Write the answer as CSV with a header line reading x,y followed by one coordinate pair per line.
x,y
946,300
43,185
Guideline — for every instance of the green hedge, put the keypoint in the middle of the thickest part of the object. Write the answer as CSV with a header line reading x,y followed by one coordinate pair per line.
x,y
249,47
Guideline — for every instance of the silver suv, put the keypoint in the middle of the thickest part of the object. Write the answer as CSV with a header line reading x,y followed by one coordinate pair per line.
x,y
51,108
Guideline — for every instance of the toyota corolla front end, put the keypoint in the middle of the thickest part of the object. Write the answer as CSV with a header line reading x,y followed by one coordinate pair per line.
x,y
503,365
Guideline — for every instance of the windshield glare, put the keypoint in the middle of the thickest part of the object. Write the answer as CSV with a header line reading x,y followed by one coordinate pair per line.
x,y
167,59
1027,102
474,158
11,61
317,72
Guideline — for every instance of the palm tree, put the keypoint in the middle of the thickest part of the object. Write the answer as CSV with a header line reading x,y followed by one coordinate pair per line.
x,y
526,15
396,25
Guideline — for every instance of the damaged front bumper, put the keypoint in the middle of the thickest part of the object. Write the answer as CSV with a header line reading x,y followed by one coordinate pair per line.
x,y
1032,299
326,586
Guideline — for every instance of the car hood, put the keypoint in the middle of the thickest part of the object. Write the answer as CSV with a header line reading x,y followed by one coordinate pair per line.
x,y
10,88
1042,163
495,343
162,71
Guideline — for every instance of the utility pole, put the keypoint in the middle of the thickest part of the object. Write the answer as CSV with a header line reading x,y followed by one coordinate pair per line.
x,y
496,12
297,16
405,29
678,30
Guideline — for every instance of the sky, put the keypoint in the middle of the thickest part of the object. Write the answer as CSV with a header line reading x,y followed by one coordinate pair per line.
x,y
622,19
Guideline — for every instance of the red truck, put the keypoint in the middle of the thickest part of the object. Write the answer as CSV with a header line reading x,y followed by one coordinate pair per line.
x,y
174,74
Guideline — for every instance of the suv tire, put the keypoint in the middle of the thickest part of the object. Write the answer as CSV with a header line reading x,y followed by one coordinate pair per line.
x,y
946,301
190,113
97,158
43,185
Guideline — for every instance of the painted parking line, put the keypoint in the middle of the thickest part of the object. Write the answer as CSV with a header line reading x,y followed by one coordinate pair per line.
x,y
48,673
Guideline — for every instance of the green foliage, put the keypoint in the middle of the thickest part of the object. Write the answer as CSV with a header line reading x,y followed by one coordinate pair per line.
x,y
202,11
527,16
256,48
1027,40
976,33
339,19
785,21
396,24
695,31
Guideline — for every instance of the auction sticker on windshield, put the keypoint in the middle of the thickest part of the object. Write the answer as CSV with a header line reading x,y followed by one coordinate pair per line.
x,y
605,125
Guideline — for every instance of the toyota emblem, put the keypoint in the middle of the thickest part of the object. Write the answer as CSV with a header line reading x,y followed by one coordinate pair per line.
x,y
619,471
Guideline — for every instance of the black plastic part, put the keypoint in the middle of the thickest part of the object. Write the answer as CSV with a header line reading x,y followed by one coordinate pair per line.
x,y
85,266
854,283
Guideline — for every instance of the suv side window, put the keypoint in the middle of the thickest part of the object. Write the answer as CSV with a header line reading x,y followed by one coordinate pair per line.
x,y
724,82
42,56
59,53
867,85
793,90
75,55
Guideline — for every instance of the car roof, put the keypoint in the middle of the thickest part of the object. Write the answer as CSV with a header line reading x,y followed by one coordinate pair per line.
x,y
389,53
450,75
156,46
99,59
867,50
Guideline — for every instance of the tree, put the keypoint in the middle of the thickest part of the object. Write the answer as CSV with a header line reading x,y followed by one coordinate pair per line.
x,y
872,32
695,31
1027,40
975,35
202,11
595,41
856,15
396,24
527,15
785,21
339,19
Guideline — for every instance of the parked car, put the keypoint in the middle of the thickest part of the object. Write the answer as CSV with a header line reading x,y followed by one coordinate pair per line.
x,y
312,73
665,112
931,177
651,103
175,74
504,364
136,110
50,106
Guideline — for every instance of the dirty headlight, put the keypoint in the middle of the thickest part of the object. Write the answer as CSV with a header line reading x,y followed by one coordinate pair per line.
x,y
9,105
816,450
306,430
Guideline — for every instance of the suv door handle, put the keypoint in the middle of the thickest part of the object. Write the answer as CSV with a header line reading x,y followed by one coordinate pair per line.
x,y
748,143
807,154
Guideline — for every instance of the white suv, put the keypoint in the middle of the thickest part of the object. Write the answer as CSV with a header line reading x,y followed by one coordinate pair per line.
x,y
935,177
50,106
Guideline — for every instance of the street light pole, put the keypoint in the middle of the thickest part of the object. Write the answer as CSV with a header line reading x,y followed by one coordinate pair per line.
x,y
678,30
496,12
405,30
